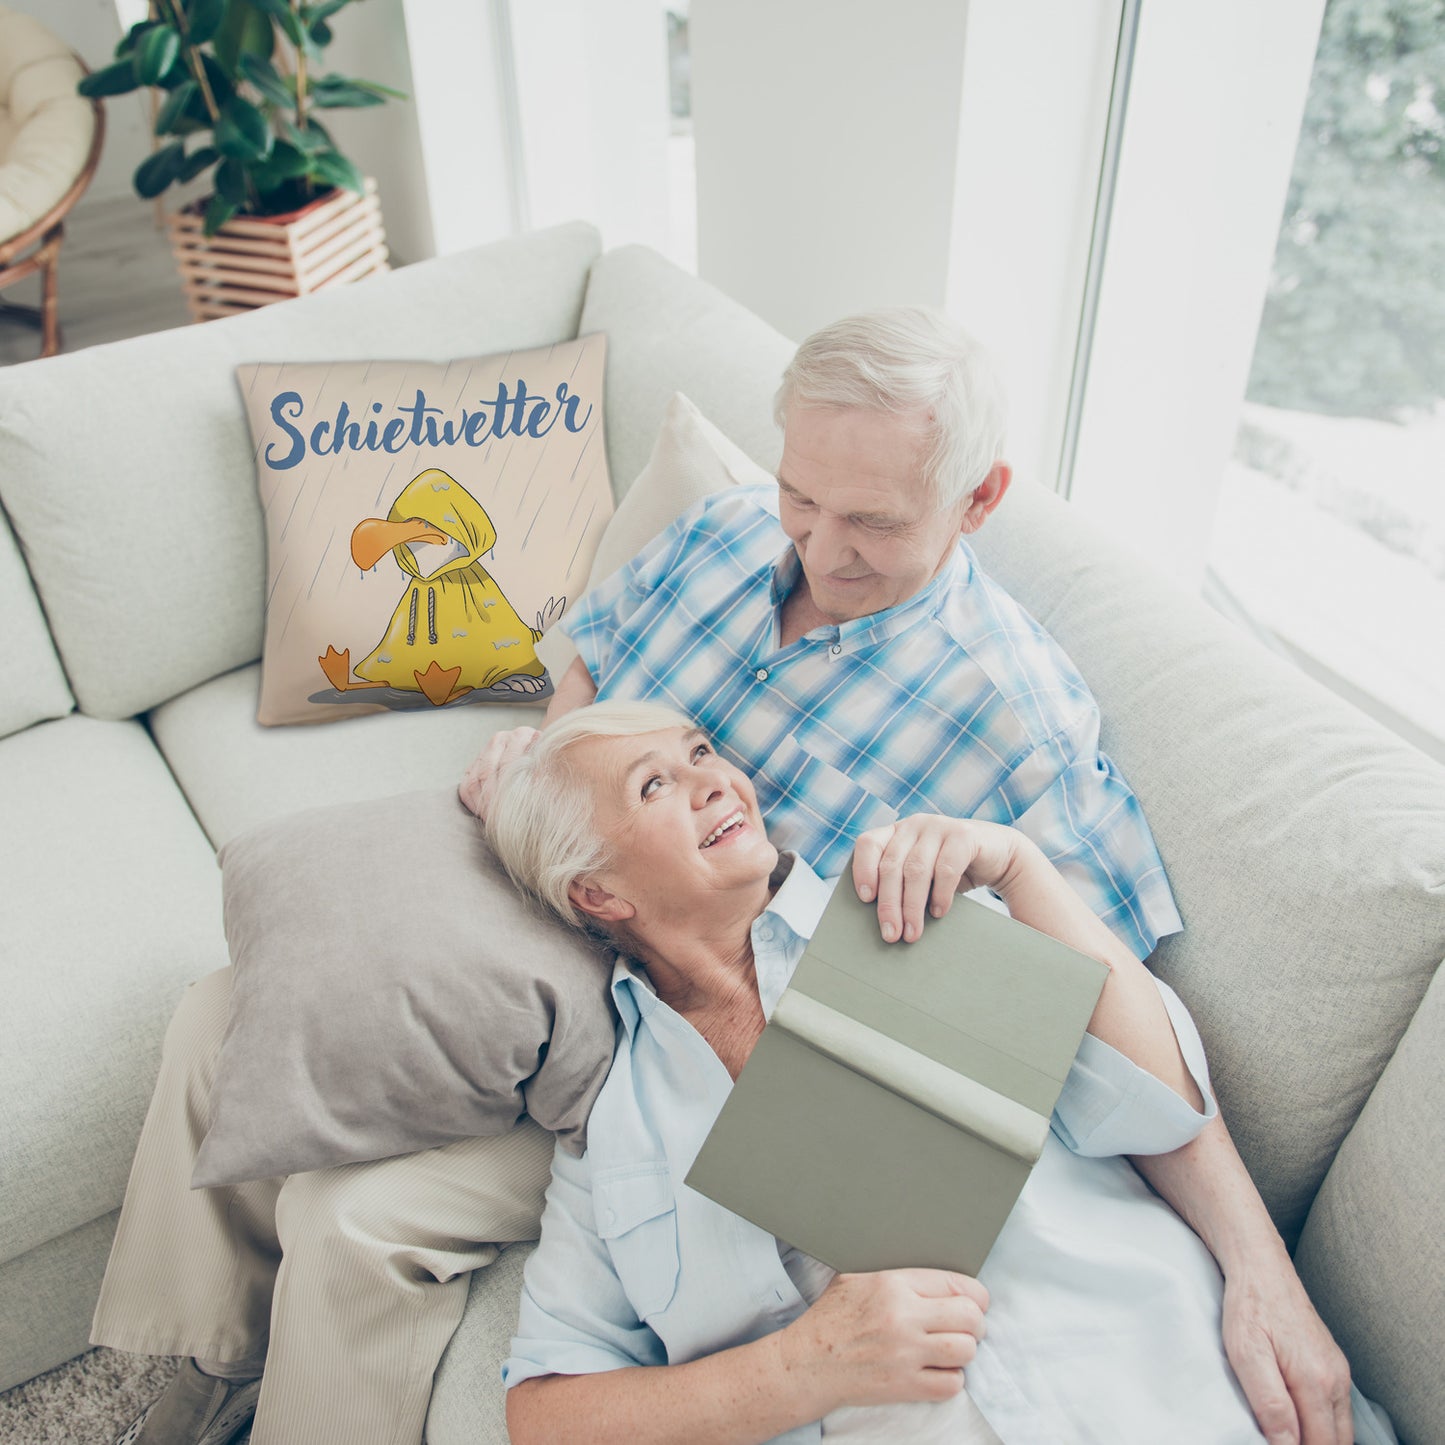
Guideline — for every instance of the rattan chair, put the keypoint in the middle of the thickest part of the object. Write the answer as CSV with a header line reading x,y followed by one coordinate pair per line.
x,y
50,139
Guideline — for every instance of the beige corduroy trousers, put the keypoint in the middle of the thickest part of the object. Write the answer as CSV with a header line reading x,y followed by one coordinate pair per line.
x,y
350,1280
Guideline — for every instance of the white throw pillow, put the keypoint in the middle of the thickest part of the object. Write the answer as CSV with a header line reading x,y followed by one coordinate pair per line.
x,y
691,459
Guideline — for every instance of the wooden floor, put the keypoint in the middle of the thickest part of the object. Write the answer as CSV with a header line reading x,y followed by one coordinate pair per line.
x,y
117,279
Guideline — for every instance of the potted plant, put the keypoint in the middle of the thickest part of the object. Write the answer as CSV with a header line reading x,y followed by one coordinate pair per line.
x,y
239,85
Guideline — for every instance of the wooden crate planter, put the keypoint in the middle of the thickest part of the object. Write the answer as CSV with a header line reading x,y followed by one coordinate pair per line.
x,y
255,260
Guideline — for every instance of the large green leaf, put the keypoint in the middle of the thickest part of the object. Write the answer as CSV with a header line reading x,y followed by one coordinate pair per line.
x,y
319,33
333,168
131,38
218,213
157,171
285,17
277,88
197,161
244,31
334,92
203,19
173,112
159,49
313,140
117,79
242,132
231,181
323,11
222,86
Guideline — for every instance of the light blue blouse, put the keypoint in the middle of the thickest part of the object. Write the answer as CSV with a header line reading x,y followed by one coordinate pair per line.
x,y
1105,1316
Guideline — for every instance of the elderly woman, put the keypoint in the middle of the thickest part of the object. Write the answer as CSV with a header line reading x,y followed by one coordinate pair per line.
x,y
656,1315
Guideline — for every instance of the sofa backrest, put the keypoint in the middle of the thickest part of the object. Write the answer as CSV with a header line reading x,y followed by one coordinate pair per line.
x,y
127,470
34,688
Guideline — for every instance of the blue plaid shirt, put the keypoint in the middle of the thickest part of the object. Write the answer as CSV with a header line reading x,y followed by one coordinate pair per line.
x,y
954,702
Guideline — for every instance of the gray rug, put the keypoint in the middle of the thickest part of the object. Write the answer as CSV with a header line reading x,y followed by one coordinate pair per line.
x,y
86,1402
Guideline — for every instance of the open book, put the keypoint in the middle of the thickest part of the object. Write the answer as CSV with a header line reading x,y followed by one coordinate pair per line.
x,y
900,1094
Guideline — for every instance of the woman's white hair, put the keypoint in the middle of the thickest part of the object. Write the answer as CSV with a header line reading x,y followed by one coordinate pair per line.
x,y
542,820
908,360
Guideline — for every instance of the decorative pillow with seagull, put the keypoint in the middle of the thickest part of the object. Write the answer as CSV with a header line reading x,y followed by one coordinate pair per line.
x,y
426,523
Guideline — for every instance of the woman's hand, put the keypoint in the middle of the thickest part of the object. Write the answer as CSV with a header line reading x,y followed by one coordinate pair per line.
x,y
479,780
897,1335
918,864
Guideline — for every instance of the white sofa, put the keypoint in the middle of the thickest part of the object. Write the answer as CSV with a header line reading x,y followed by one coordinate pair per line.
x,y
1306,846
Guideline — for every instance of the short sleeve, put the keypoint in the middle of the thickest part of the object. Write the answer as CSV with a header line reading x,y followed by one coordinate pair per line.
x,y
1075,804
1109,1105
575,1318
603,614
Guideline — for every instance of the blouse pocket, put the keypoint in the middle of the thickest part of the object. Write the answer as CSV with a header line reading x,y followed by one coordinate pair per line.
x,y
637,1217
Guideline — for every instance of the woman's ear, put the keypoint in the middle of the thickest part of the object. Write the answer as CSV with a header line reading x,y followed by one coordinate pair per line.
x,y
596,902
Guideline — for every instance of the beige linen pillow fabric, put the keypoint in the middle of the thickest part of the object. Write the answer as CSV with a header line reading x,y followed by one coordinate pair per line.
x,y
691,459
393,992
425,524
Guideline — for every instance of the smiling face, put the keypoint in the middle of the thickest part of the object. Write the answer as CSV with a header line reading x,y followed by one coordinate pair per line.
x,y
681,825
852,498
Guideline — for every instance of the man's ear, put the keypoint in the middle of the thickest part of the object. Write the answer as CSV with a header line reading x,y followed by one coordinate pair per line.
x,y
596,902
986,496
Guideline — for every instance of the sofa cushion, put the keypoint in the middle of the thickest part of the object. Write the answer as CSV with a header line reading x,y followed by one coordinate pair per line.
x,y
1372,1254
110,906
236,773
425,523
150,559
35,688
1302,841
669,332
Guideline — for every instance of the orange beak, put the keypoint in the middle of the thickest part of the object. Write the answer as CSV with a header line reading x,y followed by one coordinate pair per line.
x,y
374,538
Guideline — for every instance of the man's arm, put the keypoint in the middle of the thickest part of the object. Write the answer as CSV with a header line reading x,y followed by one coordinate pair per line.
x,y
1295,1377
475,789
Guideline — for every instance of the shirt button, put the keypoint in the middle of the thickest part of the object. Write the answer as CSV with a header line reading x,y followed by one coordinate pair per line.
x,y
836,648
765,933
761,674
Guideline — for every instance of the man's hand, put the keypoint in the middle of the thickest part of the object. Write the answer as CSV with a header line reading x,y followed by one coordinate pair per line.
x,y
916,865
1295,1377
475,788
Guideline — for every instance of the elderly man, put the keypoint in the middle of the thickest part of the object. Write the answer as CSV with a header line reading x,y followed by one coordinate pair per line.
x,y
839,641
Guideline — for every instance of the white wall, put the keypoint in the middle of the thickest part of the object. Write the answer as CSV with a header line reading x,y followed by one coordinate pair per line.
x,y
827,147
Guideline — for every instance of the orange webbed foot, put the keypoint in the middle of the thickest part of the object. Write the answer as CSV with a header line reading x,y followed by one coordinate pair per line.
x,y
439,684
337,667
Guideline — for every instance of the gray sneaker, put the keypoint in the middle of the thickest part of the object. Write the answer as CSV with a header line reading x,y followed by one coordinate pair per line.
x,y
194,1409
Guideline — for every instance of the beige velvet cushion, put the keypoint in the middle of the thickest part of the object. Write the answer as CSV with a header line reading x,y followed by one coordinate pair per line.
x,y
46,128
691,459
393,993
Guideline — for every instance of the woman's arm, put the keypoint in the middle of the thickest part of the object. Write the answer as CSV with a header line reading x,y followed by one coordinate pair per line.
x,y
917,865
870,1339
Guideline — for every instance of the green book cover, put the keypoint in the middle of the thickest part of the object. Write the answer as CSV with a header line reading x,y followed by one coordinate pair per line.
x,y
900,1094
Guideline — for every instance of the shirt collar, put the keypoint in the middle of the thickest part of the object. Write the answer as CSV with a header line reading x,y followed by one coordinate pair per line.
x,y
878,626
780,932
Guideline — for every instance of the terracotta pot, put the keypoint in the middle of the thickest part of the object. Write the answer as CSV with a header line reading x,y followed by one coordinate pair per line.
x,y
255,260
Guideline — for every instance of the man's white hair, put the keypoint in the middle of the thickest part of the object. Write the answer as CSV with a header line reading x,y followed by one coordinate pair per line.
x,y
908,360
542,821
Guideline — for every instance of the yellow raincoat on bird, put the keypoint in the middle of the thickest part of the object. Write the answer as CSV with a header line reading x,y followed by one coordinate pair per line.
x,y
453,631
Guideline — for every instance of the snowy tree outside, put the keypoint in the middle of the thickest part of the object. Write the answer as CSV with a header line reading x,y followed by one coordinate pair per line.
x,y
1331,526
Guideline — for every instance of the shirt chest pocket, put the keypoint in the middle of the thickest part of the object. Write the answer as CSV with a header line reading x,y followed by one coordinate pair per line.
x,y
637,1218
816,809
